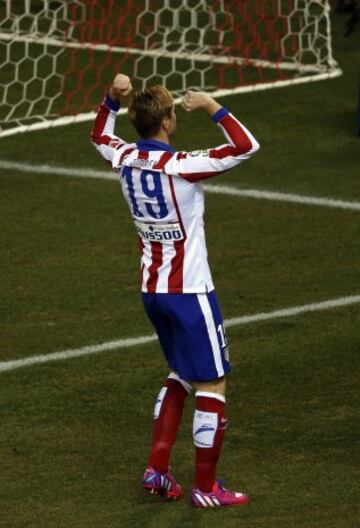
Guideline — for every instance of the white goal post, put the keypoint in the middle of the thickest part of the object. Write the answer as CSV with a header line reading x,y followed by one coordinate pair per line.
x,y
57,57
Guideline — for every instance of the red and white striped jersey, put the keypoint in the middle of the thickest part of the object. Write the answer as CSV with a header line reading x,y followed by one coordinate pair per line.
x,y
164,193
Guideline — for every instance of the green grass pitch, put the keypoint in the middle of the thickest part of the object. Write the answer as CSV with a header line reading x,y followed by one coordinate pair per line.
x,y
75,434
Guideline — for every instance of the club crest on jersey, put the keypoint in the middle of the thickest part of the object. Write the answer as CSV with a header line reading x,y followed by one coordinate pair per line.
x,y
199,153
114,143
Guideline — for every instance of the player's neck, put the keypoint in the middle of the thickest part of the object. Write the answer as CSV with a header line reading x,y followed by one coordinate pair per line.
x,y
161,136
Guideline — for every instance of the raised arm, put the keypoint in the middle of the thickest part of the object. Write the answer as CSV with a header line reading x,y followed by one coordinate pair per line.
x,y
198,165
102,136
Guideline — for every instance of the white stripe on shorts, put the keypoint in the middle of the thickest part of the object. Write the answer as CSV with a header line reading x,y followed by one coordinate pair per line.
x,y
210,323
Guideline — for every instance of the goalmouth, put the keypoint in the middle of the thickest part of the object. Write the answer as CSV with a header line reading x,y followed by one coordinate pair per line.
x,y
61,56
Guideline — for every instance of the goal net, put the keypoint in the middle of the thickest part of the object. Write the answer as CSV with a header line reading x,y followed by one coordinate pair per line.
x,y
58,57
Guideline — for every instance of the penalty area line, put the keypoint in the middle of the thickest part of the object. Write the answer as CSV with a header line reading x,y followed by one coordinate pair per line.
x,y
142,340
216,189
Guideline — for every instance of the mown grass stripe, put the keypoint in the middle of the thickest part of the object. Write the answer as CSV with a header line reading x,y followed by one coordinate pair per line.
x,y
217,189
141,340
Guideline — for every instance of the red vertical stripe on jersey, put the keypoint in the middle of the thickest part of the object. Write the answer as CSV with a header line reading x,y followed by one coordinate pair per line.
x,y
141,246
141,249
175,280
156,258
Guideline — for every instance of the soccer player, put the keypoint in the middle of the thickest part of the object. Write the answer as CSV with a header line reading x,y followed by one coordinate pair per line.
x,y
163,190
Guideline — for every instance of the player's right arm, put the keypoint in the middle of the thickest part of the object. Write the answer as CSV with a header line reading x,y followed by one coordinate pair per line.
x,y
102,135
195,166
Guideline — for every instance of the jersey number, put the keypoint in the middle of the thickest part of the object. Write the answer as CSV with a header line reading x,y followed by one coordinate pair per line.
x,y
152,188
222,335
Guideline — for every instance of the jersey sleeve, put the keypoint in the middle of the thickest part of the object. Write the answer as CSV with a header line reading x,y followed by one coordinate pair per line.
x,y
102,135
201,164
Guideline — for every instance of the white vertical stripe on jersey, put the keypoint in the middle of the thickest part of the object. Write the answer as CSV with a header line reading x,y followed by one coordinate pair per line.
x,y
210,323
196,268
146,260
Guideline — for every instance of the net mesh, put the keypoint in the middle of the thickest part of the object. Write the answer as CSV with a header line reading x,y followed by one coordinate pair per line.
x,y
58,57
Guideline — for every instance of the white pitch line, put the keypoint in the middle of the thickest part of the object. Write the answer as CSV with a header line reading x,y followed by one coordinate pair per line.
x,y
77,352
217,189
58,171
283,197
295,310
142,340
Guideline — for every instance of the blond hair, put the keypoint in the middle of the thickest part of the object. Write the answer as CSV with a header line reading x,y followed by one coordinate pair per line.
x,y
148,108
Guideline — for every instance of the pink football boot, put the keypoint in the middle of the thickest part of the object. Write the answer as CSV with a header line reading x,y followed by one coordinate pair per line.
x,y
161,484
218,497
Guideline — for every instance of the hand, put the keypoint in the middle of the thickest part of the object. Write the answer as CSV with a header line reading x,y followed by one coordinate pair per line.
x,y
195,100
121,87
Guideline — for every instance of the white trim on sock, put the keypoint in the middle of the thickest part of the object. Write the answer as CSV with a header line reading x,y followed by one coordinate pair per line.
x,y
184,383
213,395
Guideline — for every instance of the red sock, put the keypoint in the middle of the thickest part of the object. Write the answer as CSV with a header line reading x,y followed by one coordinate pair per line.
x,y
168,412
209,428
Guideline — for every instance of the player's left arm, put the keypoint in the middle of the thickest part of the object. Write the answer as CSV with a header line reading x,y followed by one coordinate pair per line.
x,y
198,165
102,135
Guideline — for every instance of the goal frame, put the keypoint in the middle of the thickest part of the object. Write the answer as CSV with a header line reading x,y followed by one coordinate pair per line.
x,y
313,73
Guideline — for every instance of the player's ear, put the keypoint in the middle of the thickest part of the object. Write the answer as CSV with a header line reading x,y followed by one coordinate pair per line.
x,y
166,124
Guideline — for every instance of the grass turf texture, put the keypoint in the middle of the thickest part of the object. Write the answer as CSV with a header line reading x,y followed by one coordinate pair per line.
x,y
74,436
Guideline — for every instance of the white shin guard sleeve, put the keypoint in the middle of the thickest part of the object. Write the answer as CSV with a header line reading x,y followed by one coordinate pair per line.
x,y
204,428
159,402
